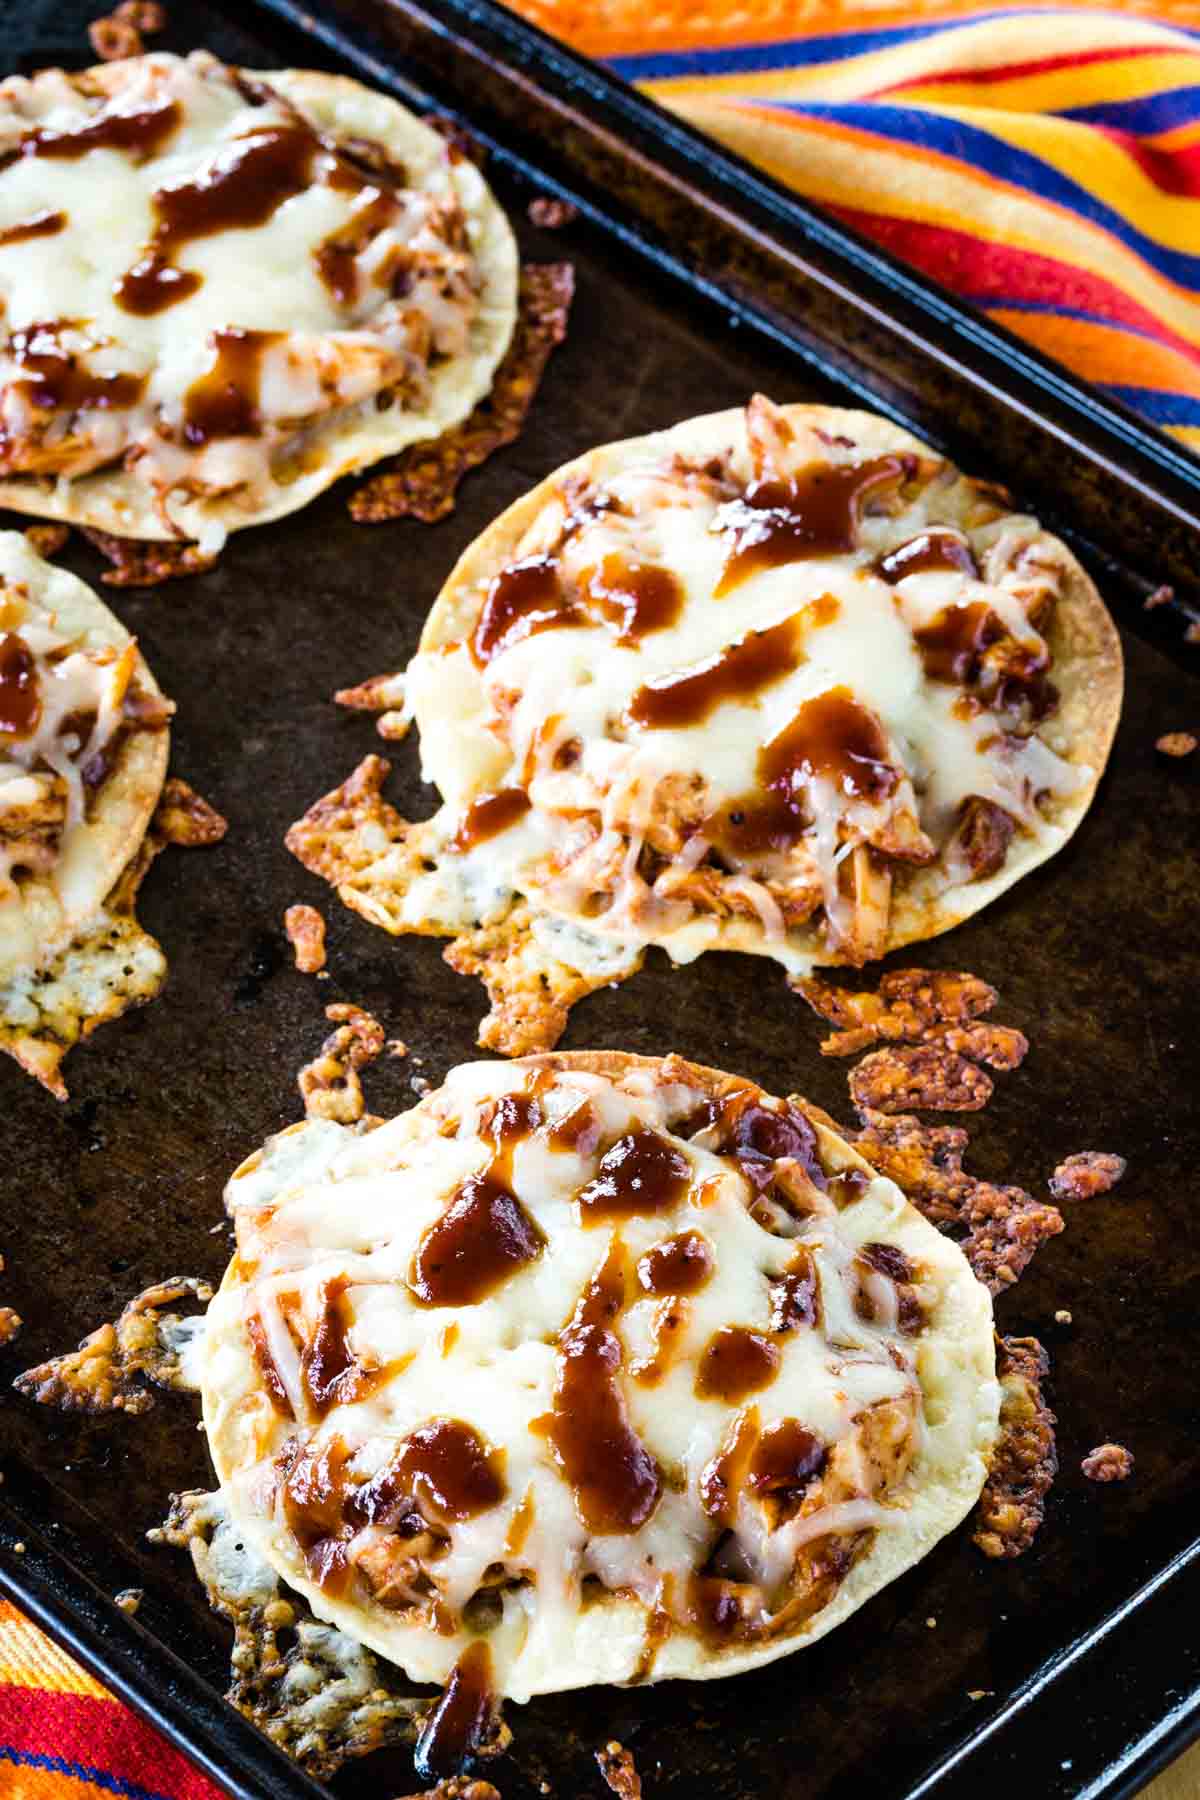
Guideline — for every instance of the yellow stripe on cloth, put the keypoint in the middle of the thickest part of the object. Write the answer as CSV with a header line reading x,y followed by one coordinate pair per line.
x,y
28,1659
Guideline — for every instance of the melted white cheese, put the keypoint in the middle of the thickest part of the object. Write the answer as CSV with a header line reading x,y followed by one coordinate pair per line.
x,y
326,1204
576,852
264,276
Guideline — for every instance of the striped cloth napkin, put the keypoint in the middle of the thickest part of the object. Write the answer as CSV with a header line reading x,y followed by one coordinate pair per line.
x,y
1044,163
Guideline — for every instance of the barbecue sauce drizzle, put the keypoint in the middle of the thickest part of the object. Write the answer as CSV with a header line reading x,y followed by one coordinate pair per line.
x,y
815,513
485,1235
20,702
463,1717
615,1480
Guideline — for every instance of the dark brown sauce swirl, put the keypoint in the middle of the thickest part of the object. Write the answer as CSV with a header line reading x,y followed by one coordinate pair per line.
x,y
266,1365
525,597
335,258
331,1373
529,596
142,132
242,187
223,403
488,816
637,598
786,1459
832,738
462,1719
931,551
484,1236
54,378
735,1363
444,1469
20,700
723,1478
952,644
796,1294
679,1265
814,514
43,224
746,668
312,1490
614,1479
640,1173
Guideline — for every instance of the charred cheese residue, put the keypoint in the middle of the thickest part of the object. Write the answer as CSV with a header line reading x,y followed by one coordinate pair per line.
x,y
83,752
590,1368
218,291
783,683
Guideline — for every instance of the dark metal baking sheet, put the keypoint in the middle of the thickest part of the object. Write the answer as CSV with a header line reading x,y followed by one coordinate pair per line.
x,y
1088,1679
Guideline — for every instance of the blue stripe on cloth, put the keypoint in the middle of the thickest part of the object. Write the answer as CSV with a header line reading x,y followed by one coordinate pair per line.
x,y
976,148
1162,407
97,1778
1144,117
1052,309
791,53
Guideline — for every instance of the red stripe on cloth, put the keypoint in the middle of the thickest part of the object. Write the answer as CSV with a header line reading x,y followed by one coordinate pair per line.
x,y
100,1734
1042,65
1175,172
997,274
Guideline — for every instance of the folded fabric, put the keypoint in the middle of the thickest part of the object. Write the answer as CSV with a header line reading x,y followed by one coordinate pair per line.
x,y
1043,162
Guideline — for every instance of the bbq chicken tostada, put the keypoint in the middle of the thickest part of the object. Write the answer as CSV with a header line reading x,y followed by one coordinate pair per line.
x,y
84,743
780,681
222,290
590,1368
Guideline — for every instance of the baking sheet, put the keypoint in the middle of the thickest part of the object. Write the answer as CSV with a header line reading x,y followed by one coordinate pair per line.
x,y
1096,957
